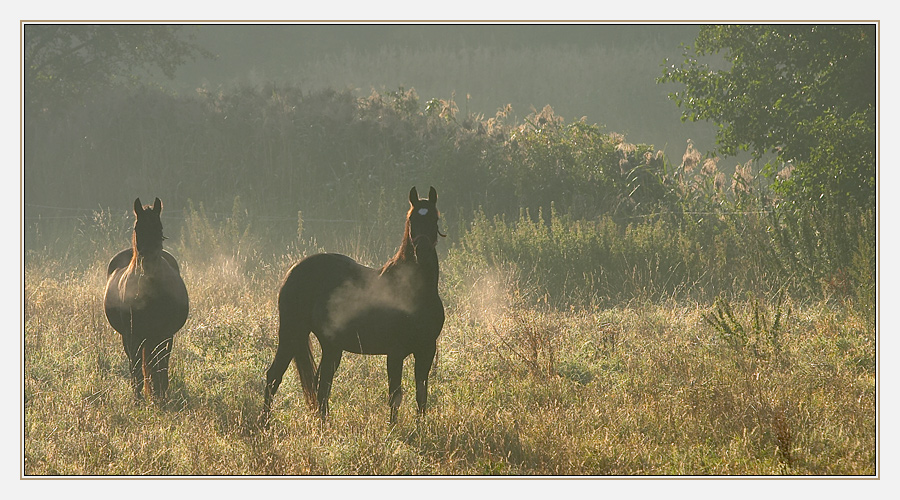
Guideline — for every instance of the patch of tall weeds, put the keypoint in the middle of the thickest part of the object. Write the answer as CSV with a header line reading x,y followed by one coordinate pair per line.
x,y
757,341
229,240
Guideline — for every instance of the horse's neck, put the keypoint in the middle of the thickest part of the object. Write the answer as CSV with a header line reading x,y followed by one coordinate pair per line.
x,y
404,261
428,268
421,274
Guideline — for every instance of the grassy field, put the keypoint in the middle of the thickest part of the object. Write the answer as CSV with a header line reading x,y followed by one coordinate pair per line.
x,y
743,388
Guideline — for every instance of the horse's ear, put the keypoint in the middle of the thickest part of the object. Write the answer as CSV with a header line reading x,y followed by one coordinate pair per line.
x,y
413,196
138,208
432,195
157,206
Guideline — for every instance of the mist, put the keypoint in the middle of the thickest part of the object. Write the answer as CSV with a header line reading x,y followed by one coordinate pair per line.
x,y
603,72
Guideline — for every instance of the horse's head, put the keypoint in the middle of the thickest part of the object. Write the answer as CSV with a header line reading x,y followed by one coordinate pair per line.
x,y
148,235
422,219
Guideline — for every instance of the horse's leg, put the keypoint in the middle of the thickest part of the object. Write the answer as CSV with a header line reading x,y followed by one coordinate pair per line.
x,y
133,352
395,391
331,358
275,373
159,368
424,359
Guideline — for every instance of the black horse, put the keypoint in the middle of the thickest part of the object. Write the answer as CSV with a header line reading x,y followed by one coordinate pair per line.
x,y
146,301
393,311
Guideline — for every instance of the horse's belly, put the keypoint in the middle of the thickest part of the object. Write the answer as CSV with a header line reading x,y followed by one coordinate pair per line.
x,y
374,331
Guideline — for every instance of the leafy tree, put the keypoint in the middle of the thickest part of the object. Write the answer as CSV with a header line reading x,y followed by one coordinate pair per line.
x,y
806,93
64,62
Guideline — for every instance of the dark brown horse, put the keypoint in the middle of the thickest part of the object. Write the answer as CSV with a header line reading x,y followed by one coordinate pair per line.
x,y
393,311
146,302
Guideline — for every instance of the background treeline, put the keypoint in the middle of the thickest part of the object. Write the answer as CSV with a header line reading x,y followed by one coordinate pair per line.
x,y
576,214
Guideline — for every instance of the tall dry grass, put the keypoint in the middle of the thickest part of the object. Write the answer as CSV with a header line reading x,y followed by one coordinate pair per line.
x,y
642,389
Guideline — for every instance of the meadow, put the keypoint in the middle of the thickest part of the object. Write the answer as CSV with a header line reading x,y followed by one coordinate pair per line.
x,y
664,387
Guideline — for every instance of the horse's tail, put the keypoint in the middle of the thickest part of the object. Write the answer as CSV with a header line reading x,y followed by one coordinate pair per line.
x,y
303,358
294,333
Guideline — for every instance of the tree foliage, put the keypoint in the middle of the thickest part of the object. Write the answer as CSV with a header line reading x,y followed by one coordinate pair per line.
x,y
65,62
806,93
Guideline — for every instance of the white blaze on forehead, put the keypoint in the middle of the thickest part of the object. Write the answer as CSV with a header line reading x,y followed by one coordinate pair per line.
x,y
423,211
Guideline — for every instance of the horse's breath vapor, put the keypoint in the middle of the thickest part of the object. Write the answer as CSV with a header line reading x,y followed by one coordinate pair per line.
x,y
354,298
488,296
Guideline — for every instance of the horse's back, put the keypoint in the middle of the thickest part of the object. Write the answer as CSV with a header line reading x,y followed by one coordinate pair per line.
x,y
324,272
328,262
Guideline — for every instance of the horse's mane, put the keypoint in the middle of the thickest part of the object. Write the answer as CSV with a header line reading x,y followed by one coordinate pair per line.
x,y
405,253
